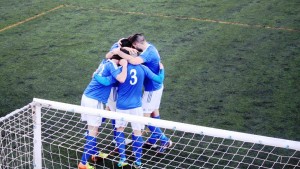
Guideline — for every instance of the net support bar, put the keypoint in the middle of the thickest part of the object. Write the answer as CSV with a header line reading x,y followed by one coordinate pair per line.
x,y
37,138
173,125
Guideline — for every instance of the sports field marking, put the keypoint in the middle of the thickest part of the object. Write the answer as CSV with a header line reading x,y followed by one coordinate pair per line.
x,y
31,18
195,19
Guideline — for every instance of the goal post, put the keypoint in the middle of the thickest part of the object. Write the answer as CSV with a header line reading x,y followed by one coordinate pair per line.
x,y
49,134
37,136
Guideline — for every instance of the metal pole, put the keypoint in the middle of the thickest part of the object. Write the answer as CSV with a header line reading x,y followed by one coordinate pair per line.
x,y
37,138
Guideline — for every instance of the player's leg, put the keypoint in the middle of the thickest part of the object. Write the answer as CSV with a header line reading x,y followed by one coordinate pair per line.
x,y
90,146
113,122
137,137
111,106
120,140
155,114
151,102
165,142
93,122
92,131
147,103
137,147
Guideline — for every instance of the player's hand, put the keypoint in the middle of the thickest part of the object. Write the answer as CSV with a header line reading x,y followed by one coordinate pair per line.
x,y
94,73
161,66
123,62
131,51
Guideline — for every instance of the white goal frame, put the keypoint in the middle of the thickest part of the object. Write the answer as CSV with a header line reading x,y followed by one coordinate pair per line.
x,y
38,104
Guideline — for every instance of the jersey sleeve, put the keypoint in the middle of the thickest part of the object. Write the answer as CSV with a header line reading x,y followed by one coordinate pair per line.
x,y
114,70
146,56
157,78
101,66
106,81
106,78
114,46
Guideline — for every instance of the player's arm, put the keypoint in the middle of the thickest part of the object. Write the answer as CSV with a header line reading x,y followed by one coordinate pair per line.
x,y
110,53
106,81
121,77
132,51
131,59
109,80
115,75
157,78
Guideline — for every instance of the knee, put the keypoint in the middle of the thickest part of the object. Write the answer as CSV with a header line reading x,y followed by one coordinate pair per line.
x,y
137,132
155,113
93,130
147,114
120,129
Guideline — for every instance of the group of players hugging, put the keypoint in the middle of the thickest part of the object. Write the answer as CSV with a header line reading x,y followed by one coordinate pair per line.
x,y
132,68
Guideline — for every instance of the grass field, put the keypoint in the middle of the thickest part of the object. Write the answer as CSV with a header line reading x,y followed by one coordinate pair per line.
x,y
232,65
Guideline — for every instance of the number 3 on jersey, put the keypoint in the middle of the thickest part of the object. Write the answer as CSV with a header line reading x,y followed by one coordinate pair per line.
x,y
133,77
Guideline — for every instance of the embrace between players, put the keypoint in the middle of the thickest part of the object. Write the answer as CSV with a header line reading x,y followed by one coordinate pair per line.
x,y
131,65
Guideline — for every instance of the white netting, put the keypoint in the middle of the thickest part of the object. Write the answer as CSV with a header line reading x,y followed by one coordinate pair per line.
x,y
16,139
63,140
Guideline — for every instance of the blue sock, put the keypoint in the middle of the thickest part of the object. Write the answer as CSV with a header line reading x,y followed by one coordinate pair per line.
x,y
137,147
163,139
120,139
89,148
156,117
156,133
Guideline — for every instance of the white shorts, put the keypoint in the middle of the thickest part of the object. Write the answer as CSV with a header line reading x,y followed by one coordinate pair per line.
x,y
111,102
135,126
92,103
151,100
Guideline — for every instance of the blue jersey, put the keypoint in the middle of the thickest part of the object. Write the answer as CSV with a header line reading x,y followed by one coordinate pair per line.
x,y
130,92
151,59
97,91
114,46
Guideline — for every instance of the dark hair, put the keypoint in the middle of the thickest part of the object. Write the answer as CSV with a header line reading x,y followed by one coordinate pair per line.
x,y
125,51
138,37
119,57
125,43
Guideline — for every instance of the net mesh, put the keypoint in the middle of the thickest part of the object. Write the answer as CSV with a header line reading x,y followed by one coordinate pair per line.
x,y
63,139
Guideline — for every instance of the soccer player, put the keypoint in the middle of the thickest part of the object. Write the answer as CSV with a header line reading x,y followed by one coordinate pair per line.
x,y
153,90
111,103
125,43
95,96
129,101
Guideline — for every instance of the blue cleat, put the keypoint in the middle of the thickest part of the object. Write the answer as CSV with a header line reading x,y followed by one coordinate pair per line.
x,y
164,147
137,164
122,162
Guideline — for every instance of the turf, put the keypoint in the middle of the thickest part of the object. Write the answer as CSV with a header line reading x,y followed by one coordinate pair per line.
x,y
240,75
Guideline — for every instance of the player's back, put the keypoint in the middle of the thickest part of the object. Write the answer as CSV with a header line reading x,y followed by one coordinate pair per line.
x,y
151,59
130,92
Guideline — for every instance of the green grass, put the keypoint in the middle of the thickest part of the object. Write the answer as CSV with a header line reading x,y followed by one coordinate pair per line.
x,y
218,75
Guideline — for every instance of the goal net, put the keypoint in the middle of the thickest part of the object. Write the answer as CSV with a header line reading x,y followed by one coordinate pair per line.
x,y
48,134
